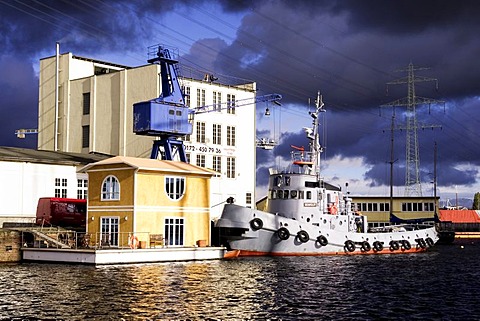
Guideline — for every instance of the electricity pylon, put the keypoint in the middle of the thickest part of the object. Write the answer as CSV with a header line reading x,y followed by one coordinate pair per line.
x,y
412,159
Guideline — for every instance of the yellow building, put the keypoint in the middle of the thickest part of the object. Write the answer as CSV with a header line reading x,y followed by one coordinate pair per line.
x,y
134,200
377,208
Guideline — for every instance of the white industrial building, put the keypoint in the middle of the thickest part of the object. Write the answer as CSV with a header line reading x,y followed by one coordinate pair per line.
x,y
94,114
28,175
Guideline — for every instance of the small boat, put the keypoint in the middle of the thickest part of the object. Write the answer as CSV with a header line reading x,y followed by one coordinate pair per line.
x,y
306,216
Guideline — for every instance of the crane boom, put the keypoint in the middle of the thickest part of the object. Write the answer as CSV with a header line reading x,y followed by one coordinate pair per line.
x,y
274,98
22,132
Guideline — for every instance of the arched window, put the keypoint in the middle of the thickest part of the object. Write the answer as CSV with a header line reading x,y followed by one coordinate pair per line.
x,y
110,188
175,187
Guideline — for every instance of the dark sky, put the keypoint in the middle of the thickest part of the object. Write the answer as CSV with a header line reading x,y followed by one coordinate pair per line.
x,y
347,49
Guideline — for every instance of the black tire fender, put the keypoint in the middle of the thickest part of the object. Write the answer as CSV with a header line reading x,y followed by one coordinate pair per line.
x,y
429,242
256,224
377,246
322,240
394,245
349,246
366,246
303,236
283,233
422,243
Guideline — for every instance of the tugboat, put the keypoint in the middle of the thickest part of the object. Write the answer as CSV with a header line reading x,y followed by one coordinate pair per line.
x,y
306,216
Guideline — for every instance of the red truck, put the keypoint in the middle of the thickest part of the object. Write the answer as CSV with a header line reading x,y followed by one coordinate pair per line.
x,y
63,212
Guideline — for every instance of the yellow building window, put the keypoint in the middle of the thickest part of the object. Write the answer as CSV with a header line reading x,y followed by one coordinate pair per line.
x,y
175,187
110,188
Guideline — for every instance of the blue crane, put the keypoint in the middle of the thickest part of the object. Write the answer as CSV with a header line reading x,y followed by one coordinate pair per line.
x,y
167,116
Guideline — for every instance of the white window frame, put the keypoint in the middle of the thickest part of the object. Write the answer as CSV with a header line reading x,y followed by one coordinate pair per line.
x,y
186,93
217,134
200,160
231,167
175,187
61,187
110,189
82,188
200,97
217,101
217,164
174,226
200,131
109,230
231,104
231,135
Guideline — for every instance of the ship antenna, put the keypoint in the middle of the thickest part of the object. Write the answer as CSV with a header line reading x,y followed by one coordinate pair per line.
x,y
316,148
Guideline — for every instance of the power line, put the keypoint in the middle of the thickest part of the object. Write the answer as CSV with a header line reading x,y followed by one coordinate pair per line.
x,y
412,175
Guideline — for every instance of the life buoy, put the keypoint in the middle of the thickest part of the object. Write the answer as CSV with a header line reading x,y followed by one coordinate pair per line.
x,y
256,224
365,246
394,245
133,242
406,245
349,246
377,246
283,233
303,236
421,243
322,240
429,242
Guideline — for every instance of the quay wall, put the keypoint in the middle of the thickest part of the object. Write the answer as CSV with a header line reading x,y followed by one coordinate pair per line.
x,y
10,244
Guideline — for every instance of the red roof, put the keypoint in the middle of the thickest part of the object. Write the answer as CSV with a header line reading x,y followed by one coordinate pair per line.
x,y
460,216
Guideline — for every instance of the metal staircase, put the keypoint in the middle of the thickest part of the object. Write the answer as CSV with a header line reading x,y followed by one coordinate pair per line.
x,y
48,239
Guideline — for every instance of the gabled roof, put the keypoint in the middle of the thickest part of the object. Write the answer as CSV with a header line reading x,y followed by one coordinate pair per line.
x,y
152,165
15,154
459,216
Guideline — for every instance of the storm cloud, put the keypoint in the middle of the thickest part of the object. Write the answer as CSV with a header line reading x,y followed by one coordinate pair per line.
x,y
346,49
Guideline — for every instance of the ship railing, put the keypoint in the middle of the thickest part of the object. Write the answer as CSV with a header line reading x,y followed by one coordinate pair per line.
x,y
400,227
118,240
300,157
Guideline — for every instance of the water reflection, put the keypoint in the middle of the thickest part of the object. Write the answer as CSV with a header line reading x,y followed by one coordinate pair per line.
x,y
436,285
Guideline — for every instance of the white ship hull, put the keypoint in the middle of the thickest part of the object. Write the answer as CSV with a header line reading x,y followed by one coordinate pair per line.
x,y
240,228
307,216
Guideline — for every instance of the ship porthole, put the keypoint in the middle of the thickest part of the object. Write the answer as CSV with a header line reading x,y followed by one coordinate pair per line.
x,y
303,236
349,246
256,224
322,240
283,233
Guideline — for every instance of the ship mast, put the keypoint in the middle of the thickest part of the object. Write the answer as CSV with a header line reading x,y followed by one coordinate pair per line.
x,y
316,148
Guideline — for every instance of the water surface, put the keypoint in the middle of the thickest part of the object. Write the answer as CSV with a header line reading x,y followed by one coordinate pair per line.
x,y
442,284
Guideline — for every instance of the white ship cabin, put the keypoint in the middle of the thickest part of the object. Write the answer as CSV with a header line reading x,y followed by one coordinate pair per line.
x,y
302,197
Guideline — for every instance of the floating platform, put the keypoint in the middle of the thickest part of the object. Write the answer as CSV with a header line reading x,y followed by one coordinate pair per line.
x,y
121,256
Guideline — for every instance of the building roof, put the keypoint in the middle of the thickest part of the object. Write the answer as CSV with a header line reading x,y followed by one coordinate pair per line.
x,y
91,60
459,216
394,197
15,154
153,165
101,62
